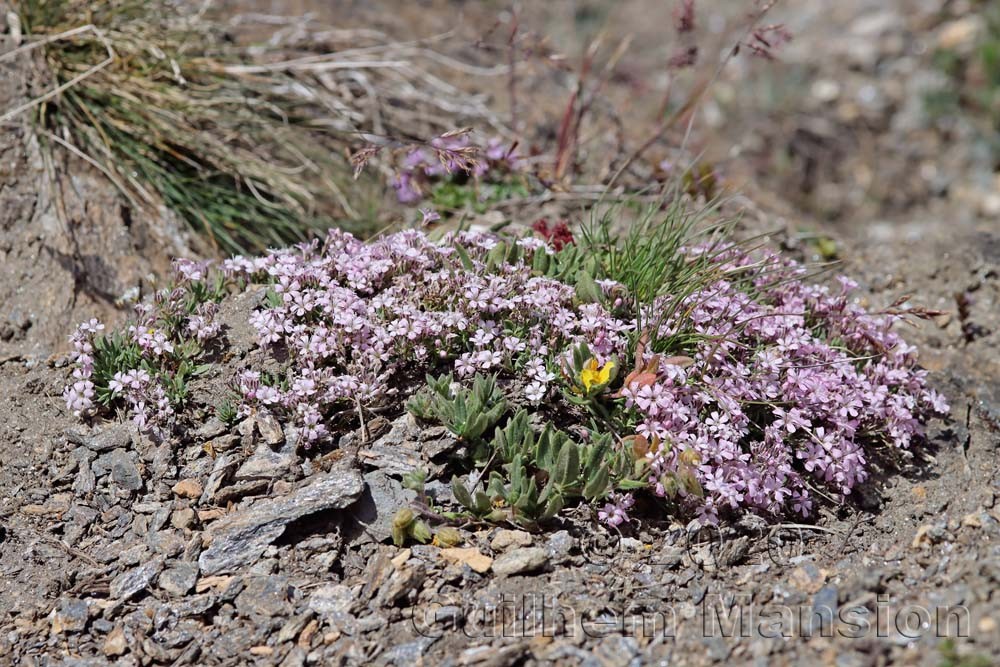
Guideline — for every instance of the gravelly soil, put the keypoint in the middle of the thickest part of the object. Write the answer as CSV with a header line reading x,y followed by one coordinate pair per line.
x,y
117,549
98,539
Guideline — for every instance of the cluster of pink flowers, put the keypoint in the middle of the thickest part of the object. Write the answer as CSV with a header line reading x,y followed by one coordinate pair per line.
x,y
615,513
787,386
151,348
791,381
79,394
356,315
202,324
448,155
146,397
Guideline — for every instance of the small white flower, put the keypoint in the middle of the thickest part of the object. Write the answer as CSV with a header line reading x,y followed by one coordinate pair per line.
x,y
535,392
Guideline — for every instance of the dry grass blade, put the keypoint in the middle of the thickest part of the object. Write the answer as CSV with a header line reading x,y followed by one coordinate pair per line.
x,y
251,150
16,111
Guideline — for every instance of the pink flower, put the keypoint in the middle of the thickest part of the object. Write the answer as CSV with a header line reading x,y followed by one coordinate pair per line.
x,y
615,513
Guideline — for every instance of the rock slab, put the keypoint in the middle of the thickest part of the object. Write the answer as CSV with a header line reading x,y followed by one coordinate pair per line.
x,y
242,537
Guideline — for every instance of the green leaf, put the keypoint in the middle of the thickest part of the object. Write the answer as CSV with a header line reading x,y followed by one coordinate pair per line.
x,y
553,507
495,257
587,290
496,488
581,355
514,254
420,532
518,475
482,504
597,485
527,502
415,479
496,516
567,464
595,456
461,493
540,262
545,450
464,257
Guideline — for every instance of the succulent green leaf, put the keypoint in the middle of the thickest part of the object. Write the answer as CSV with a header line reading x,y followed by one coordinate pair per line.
x,y
482,503
553,507
420,532
587,290
461,493
464,257
597,484
541,262
567,467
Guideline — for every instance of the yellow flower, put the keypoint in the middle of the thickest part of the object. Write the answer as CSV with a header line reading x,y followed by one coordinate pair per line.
x,y
591,375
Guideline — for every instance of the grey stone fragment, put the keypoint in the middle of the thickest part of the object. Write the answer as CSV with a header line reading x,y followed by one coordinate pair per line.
x,y
130,583
521,561
824,612
211,428
224,467
266,596
410,653
122,468
85,481
111,436
232,317
716,648
102,625
506,539
192,605
266,463
403,583
162,462
560,544
250,487
70,616
179,579
295,658
293,626
160,517
332,600
401,449
78,520
242,536
182,518
270,429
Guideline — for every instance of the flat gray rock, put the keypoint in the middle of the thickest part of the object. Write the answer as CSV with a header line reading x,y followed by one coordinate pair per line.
x,y
332,600
265,596
112,436
241,537
129,584
266,463
179,579
521,561
122,468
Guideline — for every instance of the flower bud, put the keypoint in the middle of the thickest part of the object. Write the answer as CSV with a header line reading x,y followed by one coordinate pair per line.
x,y
420,532
447,537
401,526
